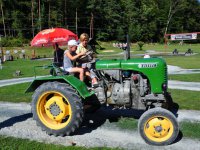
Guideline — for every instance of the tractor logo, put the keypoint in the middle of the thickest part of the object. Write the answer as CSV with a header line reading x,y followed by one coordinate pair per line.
x,y
149,65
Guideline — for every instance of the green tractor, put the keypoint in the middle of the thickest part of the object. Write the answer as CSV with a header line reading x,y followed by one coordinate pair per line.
x,y
59,101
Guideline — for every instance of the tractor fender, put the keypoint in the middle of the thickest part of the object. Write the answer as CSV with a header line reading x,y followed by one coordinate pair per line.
x,y
70,79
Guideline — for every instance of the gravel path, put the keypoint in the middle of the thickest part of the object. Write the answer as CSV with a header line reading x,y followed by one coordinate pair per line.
x,y
16,120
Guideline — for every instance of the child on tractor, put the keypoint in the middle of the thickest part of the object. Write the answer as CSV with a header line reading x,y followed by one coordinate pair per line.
x,y
70,56
86,60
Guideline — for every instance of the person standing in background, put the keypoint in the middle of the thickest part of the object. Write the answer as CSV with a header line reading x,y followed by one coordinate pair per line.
x,y
58,55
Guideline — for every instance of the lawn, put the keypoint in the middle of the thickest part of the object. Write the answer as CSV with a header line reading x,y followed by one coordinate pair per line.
x,y
26,66
15,93
186,99
185,77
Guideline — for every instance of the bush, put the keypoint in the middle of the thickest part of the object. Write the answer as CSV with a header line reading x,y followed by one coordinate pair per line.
x,y
102,36
140,45
12,42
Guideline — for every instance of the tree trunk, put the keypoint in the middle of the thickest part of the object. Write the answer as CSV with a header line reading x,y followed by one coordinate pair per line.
x,y
168,20
32,15
4,27
91,25
173,8
39,14
65,17
49,16
76,22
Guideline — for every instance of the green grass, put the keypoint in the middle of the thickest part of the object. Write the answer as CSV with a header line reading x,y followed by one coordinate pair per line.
x,y
127,123
190,130
185,77
185,62
26,66
11,143
186,99
15,93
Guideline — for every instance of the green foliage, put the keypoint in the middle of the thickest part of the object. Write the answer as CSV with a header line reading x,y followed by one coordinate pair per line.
x,y
103,36
144,20
13,42
140,45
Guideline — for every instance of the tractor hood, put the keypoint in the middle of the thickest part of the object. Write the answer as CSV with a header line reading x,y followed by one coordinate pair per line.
x,y
154,68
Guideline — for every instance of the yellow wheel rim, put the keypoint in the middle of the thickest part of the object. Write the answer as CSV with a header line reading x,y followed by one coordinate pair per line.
x,y
54,110
158,128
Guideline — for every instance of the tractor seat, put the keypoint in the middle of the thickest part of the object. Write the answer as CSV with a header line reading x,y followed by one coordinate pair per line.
x,y
66,72
59,71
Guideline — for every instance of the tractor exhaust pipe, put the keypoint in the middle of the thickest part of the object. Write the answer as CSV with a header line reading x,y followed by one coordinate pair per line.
x,y
127,50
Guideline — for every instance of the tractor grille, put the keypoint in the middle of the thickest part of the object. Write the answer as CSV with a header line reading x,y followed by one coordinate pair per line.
x,y
165,75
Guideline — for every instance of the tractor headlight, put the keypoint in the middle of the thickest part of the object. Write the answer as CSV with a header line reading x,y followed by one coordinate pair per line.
x,y
164,87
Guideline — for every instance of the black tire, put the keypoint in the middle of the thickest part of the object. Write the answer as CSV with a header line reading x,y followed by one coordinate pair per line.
x,y
158,126
57,108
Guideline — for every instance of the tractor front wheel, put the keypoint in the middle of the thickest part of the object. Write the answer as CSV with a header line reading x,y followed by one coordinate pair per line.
x,y
158,126
57,108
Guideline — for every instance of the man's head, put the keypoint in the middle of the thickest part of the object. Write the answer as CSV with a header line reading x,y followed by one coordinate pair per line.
x,y
72,45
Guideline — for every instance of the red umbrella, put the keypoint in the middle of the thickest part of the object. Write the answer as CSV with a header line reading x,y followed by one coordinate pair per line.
x,y
49,37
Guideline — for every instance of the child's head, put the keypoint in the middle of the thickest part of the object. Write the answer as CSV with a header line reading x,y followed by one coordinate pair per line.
x,y
84,38
72,45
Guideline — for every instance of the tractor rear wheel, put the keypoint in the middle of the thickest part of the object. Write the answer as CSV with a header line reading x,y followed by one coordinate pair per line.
x,y
158,126
57,108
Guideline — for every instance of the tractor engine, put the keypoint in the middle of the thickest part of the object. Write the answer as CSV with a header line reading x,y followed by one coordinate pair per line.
x,y
134,83
122,88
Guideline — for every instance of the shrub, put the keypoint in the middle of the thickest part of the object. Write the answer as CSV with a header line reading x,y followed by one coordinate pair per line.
x,y
12,42
140,45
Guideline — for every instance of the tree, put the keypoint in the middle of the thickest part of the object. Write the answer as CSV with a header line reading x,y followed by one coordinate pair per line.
x,y
39,15
32,16
2,13
173,7
143,20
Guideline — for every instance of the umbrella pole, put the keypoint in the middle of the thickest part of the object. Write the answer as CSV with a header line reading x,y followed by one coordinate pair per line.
x,y
33,54
57,55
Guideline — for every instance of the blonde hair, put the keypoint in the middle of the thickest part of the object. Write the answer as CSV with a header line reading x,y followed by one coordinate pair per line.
x,y
84,36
